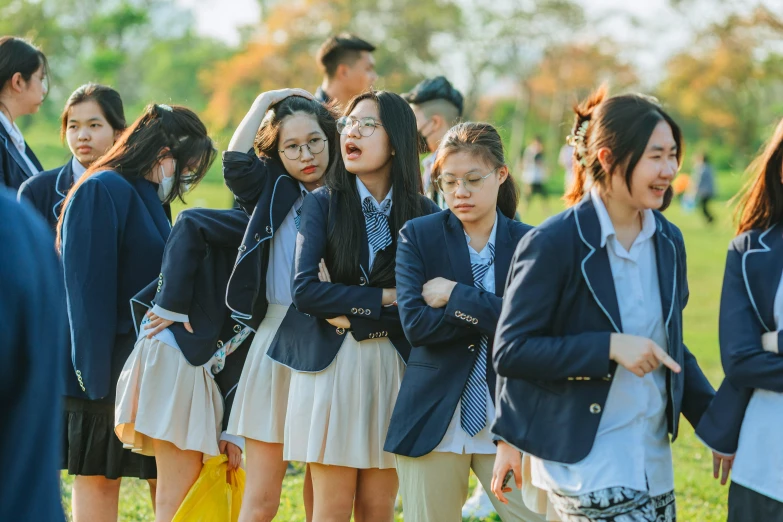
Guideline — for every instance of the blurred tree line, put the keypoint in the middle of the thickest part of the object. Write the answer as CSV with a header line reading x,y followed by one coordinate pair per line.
x,y
521,64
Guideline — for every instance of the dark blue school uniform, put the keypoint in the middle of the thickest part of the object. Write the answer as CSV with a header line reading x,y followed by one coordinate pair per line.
x,y
750,282
317,342
33,332
551,349
14,170
197,263
445,340
46,192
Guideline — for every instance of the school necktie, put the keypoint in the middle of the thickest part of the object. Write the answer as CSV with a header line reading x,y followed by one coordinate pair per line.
x,y
474,396
298,211
378,234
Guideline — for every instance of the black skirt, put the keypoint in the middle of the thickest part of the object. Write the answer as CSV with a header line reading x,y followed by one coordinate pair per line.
x,y
90,446
746,505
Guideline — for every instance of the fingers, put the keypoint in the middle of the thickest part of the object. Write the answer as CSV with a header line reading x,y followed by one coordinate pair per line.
x,y
715,466
497,482
727,465
517,467
222,446
153,322
666,360
323,272
159,326
188,327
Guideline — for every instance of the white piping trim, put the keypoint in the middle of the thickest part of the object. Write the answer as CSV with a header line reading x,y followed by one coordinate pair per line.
x,y
584,273
674,285
133,313
745,274
62,196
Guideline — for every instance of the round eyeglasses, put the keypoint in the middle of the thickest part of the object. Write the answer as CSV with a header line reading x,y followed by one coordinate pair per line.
x,y
472,182
366,125
294,151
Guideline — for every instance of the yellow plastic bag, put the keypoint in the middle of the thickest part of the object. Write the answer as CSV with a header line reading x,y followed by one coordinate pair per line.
x,y
214,497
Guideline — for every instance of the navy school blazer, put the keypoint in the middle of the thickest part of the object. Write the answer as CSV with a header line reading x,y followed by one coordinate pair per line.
x,y
310,344
114,233
445,340
197,262
754,265
33,333
47,191
13,168
551,348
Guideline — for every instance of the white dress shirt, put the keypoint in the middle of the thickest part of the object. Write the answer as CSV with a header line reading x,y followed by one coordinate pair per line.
x,y
77,168
456,440
281,257
758,465
364,194
631,447
18,141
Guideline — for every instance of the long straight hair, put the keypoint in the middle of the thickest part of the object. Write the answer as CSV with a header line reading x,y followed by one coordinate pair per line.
x,y
761,201
142,145
482,141
346,220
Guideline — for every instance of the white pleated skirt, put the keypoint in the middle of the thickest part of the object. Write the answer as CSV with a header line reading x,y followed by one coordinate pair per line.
x,y
261,400
340,416
162,396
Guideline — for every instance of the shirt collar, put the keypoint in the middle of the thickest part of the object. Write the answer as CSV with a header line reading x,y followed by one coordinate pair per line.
x,y
364,194
77,168
607,227
13,131
485,253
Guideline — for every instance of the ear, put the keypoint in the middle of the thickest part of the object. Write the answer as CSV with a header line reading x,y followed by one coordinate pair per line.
x,y
342,70
605,159
502,174
117,134
438,120
17,82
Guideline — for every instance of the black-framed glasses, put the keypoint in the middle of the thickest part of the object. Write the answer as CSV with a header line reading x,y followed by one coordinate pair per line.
x,y
366,125
315,146
473,182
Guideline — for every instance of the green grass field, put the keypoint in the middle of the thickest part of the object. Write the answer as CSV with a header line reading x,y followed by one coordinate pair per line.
x,y
699,497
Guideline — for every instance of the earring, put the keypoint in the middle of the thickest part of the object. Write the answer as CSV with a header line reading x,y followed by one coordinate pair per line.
x,y
394,152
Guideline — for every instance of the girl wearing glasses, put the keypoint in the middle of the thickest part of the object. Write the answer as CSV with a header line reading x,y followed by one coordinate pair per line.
x,y
23,87
349,367
295,139
451,272
593,371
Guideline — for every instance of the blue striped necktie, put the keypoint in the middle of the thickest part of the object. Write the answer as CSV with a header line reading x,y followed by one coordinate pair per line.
x,y
473,416
377,223
298,212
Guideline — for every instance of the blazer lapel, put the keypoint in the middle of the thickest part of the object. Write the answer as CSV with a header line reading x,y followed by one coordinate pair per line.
x,y
62,185
457,248
14,152
666,260
504,251
596,269
762,269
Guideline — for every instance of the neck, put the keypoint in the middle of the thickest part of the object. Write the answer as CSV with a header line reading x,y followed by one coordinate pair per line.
x,y
8,108
378,183
311,186
434,140
336,92
480,230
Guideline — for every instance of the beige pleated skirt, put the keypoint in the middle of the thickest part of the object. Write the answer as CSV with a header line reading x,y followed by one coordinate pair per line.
x,y
162,396
261,399
534,498
340,416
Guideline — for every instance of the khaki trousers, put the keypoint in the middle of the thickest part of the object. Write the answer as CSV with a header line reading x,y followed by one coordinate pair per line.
x,y
435,487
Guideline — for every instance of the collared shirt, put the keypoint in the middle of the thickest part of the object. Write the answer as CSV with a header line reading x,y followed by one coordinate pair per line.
x,y
18,141
631,447
321,96
77,168
363,195
281,256
759,461
456,440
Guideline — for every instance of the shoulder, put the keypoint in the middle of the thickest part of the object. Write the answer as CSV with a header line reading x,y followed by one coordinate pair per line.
x,y
42,180
428,206
750,239
21,227
518,229
426,223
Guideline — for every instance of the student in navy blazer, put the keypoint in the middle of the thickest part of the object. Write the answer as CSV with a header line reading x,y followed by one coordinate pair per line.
x,y
451,272
749,402
23,87
33,356
593,370
172,391
112,233
295,138
93,118
346,380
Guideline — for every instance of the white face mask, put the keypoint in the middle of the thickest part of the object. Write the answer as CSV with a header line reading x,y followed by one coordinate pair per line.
x,y
166,184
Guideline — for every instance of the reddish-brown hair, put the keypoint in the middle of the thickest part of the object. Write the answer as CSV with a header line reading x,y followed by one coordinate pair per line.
x,y
761,200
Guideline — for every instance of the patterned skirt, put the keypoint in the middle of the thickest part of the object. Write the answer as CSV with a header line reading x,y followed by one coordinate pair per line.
x,y
615,505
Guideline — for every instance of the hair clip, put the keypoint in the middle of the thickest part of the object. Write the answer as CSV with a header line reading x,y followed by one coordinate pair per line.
x,y
577,141
165,107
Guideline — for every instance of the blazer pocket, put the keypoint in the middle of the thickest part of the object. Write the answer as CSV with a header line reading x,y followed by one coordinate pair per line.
x,y
423,366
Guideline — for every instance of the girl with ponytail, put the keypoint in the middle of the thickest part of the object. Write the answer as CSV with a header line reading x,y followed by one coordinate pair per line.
x,y
593,371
